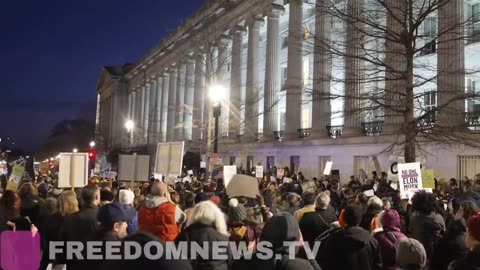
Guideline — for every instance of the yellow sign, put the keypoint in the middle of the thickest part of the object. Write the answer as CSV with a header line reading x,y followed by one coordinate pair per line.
x,y
428,179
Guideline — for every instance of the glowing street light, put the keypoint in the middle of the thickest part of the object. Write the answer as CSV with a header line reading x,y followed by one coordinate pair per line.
x,y
129,125
75,150
92,144
217,95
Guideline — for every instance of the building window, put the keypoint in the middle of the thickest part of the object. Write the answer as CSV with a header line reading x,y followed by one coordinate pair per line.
x,y
361,163
430,104
467,166
233,160
429,32
294,164
270,163
305,117
284,40
322,162
284,75
306,70
250,165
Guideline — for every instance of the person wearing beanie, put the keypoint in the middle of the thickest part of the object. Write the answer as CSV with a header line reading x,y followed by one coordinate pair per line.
x,y
112,222
239,227
374,207
126,198
411,254
388,236
471,261
159,216
350,248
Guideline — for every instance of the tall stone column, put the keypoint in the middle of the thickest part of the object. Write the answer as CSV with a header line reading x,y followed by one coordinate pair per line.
x,y
395,84
180,99
294,83
198,97
171,104
152,120
141,124
236,83
451,64
322,71
146,111
129,115
134,107
223,60
272,73
252,96
207,108
158,109
353,70
188,103
165,111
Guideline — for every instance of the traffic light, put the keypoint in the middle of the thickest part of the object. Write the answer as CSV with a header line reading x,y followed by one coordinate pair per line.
x,y
92,155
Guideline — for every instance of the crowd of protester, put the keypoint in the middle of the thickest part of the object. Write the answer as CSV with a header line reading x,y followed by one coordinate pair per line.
x,y
434,231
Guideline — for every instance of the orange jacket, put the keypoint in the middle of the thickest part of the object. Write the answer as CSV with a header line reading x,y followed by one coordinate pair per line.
x,y
159,221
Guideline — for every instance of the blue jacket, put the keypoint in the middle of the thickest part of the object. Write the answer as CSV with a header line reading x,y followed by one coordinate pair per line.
x,y
132,218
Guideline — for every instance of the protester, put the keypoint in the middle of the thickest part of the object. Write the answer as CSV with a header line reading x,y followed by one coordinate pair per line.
x,y
362,200
351,248
126,198
31,202
390,234
241,229
292,200
313,224
112,222
159,216
206,225
425,225
471,261
451,246
411,255
374,207
277,230
308,199
106,196
10,208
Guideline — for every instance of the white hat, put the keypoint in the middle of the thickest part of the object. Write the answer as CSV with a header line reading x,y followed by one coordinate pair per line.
x,y
126,196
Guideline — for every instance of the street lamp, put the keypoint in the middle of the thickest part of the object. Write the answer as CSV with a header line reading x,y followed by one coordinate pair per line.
x,y
92,144
129,125
216,95
75,150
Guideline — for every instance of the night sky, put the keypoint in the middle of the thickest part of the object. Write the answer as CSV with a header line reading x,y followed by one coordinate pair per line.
x,y
52,51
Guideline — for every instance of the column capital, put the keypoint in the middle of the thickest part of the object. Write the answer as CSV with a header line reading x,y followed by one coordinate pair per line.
x,y
238,29
255,22
274,11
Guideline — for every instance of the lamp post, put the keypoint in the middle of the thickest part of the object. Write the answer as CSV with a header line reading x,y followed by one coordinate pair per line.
x,y
216,95
129,125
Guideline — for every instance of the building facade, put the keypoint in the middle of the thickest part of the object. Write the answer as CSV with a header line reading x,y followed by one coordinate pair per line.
x,y
268,63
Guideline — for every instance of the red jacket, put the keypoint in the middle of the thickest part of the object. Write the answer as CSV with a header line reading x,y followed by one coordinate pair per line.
x,y
159,220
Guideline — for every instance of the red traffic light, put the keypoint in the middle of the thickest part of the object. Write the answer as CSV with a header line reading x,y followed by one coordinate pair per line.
x,y
92,155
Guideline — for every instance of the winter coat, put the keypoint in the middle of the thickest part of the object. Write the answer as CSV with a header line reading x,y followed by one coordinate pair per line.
x,y
372,212
132,218
427,229
388,237
284,264
31,207
49,228
201,233
313,224
160,217
352,248
471,261
451,247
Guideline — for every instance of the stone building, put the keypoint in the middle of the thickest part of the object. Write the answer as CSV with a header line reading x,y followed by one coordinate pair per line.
x,y
265,60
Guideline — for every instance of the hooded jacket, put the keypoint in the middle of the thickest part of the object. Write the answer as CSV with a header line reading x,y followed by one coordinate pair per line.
x,y
451,247
160,217
471,261
352,248
388,237
427,229
372,212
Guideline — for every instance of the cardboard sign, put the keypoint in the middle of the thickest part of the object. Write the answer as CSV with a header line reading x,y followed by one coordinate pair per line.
x,y
76,167
309,186
203,164
369,193
328,168
377,165
409,179
169,158
228,173
190,172
280,173
243,185
158,176
259,171
428,179
128,165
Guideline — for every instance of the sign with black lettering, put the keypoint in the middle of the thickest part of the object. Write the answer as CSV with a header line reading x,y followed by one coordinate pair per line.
x,y
409,179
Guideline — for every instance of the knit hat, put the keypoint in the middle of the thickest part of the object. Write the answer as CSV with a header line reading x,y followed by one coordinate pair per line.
x,y
278,229
473,226
236,211
42,189
353,215
126,196
200,197
410,252
110,213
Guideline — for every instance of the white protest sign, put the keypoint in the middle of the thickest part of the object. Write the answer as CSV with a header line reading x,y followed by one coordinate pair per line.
x,y
190,172
309,186
369,193
228,173
169,158
259,171
73,170
287,180
134,168
203,164
409,179
328,168
187,179
280,173
158,176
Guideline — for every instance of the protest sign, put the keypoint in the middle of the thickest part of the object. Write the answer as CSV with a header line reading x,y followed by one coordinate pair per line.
x,y
259,171
134,168
228,173
73,170
328,168
242,185
428,179
287,180
309,186
26,163
280,173
409,178
190,172
169,158
217,172
15,177
369,193
203,164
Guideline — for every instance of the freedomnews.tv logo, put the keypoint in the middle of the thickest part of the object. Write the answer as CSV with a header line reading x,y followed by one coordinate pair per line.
x,y
20,250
